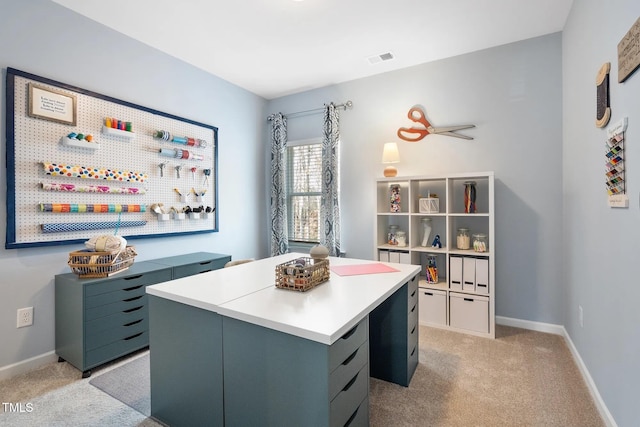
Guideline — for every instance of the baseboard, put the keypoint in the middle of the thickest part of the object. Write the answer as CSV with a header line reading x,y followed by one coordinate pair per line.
x,y
533,326
560,330
10,371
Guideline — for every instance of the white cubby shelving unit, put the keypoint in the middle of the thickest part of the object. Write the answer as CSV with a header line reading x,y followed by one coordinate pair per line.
x,y
463,299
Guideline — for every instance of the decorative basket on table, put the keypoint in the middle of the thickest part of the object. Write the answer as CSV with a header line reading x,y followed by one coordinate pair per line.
x,y
87,264
302,274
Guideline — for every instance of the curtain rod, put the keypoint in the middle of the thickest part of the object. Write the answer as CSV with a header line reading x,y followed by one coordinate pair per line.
x,y
345,105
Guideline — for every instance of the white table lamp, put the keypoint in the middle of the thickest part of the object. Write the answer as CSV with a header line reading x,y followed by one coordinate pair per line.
x,y
390,154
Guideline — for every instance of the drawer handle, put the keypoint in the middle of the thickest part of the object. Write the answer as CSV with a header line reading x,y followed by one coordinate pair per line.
x,y
132,299
131,310
414,350
480,285
413,330
133,277
132,288
414,308
351,418
457,282
133,336
206,262
350,332
350,383
429,293
350,358
414,292
468,283
132,323
206,271
469,299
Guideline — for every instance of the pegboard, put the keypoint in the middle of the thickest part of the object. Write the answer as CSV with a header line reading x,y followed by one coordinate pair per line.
x,y
63,190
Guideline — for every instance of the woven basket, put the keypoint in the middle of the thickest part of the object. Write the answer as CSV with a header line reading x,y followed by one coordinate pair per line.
x,y
302,274
87,264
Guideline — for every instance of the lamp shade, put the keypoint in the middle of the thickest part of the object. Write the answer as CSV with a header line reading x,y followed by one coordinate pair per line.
x,y
390,154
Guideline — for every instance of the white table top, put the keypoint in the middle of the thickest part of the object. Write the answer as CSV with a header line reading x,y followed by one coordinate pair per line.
x,y
247,292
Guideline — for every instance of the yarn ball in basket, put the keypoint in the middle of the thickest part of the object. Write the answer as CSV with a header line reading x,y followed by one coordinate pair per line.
x,y
106,243
319,252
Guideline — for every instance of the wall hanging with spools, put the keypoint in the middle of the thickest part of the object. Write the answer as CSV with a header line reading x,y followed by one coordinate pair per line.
x,y
100,166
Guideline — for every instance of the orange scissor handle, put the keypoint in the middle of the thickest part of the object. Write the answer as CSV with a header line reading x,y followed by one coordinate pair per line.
x,y
415,134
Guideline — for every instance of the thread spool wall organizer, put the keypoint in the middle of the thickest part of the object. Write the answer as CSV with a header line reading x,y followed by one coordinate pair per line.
x,y
36,141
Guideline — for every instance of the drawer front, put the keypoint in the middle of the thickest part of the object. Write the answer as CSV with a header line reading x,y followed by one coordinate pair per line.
x,y
349,398
148,278
120,295
360,418
413,284
413,292
114,320
198,267
115,334
469,312
433,306
347,369
348,343
412,315
126,306
412,336
117,349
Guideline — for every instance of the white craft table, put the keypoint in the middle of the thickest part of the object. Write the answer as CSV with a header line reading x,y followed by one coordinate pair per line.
x,y
229,348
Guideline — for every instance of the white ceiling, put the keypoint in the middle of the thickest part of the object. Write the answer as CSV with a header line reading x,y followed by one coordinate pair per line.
x,y
280,47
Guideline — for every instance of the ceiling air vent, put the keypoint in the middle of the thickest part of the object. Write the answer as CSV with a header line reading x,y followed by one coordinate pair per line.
x,y
388,56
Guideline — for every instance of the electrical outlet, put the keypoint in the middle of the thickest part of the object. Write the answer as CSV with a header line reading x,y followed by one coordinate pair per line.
x,y
580,316
25,317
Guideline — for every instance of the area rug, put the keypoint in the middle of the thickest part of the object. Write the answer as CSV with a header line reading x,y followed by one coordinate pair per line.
x,y
129,384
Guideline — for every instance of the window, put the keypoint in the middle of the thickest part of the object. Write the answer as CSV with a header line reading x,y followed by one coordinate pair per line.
x,y
304,187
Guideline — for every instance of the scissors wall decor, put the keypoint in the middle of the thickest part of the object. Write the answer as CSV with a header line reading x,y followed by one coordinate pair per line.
x,y
413,134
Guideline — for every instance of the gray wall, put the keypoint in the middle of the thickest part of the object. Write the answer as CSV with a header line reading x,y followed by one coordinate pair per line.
x,y
601,243
45,39
513,95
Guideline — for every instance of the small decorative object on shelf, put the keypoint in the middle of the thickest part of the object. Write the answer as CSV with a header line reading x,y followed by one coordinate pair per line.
x,y
431,271
430,204
426,231
469,197
480,242
462,240
395,198
302,274
392,235
436,242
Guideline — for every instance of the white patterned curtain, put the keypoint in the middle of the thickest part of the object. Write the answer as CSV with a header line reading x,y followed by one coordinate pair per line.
x,y
330,205
279,235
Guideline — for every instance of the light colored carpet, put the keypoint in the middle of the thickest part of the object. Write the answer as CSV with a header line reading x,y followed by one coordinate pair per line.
x,y
522,378
129,383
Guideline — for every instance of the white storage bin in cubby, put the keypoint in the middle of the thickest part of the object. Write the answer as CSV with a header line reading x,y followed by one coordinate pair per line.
x,y
469,312
433,306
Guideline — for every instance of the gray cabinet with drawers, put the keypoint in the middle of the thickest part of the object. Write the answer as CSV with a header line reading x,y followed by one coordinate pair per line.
x,y
99,320
294,381
392,323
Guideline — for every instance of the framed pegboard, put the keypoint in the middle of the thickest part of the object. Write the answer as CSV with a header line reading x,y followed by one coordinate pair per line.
x,y
68,181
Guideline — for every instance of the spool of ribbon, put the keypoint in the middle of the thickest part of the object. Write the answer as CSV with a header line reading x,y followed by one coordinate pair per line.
x,y
89,208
